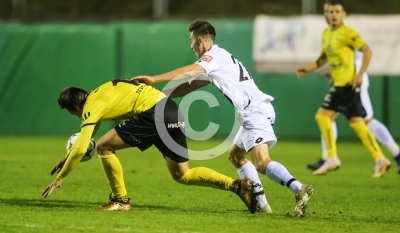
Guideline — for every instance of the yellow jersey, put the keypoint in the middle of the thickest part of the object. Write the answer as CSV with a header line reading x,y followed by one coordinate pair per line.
x,y
119,99
339,46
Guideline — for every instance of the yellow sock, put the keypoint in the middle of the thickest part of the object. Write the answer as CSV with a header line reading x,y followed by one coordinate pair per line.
x,y
114,173
367,138
202,176
325,126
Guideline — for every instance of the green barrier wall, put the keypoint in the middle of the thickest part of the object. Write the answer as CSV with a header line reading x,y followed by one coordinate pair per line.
x,y
38,60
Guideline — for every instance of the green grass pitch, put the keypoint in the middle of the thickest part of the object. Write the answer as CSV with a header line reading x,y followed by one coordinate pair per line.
x,y
347,200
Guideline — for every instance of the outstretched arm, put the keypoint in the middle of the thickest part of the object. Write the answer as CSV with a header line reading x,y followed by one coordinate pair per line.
x,y
185,88
73,158
312,66
177,74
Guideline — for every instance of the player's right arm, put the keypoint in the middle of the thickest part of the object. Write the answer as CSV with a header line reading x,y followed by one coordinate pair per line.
x,y
75,155
322,60
77,151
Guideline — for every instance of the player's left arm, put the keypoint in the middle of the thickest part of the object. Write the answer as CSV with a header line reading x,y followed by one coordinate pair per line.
x,y
355,41
367,55
73,158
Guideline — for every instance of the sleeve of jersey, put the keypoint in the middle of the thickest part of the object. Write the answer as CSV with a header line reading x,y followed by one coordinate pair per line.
x,y
92,113
208,62
354,40
77,151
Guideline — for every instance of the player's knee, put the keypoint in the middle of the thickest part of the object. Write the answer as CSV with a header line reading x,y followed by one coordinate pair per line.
x,y
260,165
103,147
236,160
179,177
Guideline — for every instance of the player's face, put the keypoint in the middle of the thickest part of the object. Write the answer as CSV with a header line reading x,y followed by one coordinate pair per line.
x,y
196,45
326,12
336,15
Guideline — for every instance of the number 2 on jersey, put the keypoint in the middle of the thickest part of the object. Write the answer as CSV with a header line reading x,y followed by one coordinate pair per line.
x,y
242,77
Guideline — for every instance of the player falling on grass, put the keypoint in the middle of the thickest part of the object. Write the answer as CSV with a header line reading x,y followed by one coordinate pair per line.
x,y
379,130
255,112
145,109
339,43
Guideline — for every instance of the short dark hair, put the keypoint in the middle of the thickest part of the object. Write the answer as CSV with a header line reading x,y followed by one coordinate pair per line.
x,y
72,97
202,28
336,2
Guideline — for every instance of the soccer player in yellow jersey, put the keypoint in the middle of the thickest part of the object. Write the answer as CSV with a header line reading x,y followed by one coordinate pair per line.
x,y
339,43
377,128
151,118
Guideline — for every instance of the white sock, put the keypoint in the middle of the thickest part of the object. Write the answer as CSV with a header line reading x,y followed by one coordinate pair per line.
x,y
249,171
383,136
323,145
278,173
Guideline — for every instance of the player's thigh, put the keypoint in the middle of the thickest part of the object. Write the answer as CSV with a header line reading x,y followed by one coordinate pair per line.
x,y
327,112
354,107
110,142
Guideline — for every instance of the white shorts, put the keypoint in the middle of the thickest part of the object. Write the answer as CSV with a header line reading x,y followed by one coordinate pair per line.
x,y
256,127
365,99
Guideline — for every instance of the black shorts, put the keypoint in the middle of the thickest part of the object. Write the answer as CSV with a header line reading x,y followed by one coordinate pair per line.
x,y
164,128
345,100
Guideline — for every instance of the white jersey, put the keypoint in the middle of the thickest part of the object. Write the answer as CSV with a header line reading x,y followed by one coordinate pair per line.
x,y
234,81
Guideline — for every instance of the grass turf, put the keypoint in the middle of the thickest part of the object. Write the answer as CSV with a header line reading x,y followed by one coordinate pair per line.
x,y
347,200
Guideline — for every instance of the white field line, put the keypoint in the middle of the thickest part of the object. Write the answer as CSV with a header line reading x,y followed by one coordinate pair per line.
x,y
127,229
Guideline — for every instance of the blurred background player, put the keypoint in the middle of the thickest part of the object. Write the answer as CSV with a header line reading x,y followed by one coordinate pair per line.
x,y
338,45
142,106
379,130
254,108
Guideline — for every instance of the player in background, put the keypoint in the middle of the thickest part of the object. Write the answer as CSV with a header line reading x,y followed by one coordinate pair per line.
x,y
255,112
338,45
144,109
379,130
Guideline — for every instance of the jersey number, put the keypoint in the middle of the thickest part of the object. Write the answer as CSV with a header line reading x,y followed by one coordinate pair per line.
x,y
241,72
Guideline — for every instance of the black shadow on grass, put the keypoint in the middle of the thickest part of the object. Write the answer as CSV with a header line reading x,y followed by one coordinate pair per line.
x,y
45,203
51,204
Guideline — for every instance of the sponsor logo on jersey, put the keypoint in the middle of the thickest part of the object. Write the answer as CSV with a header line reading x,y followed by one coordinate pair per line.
x,y
206,58
176,125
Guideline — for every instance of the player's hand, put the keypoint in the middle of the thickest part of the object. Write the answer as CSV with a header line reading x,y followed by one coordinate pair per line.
x,y
59,165
328,73
357,81
144,79
300,72
50,188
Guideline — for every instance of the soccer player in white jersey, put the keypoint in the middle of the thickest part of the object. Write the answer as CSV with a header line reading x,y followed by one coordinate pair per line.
x,y
378,129
255,112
